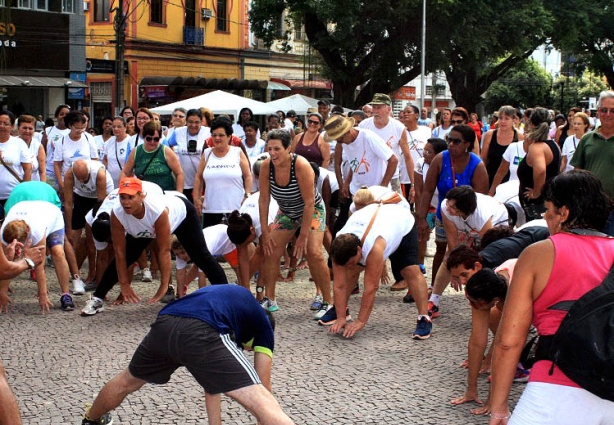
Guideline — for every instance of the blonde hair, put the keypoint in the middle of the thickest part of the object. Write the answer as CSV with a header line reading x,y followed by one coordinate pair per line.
x,y
175,244
17,229
363,197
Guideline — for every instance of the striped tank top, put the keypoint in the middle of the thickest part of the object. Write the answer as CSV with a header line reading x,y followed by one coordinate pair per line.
x,y
289,197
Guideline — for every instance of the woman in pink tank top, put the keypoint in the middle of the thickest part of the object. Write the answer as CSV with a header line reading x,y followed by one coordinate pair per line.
x,y
574,260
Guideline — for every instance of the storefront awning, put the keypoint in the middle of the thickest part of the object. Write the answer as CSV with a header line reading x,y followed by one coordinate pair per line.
x,y
26,81
212,83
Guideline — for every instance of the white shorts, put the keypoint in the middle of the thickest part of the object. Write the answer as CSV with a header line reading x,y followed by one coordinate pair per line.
x,y
552,404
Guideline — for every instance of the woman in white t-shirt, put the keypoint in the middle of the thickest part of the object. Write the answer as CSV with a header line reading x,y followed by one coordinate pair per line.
x,y
33,141
101,140
512,156
580,125
115,149
138,220
15,158
73,146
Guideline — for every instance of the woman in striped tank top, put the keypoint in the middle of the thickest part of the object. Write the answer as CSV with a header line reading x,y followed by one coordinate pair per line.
x,y
290,180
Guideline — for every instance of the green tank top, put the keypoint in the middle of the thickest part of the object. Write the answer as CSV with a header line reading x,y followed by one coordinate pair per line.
x,y
157,171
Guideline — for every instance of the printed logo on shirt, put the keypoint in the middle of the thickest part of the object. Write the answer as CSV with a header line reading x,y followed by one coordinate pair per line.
x,y
517,160
355,165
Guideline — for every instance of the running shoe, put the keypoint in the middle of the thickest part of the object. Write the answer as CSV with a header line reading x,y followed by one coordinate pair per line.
x,y
322,311
317,303
78,287
92,307
330,318
423,330
66,303
146,275
91,286
433,310
169,296
356,290
408,298
105,419
422,269
33,275
521,375
270,305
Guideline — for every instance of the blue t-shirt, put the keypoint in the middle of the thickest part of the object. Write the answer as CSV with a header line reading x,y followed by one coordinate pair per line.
x,y
229,309
448,180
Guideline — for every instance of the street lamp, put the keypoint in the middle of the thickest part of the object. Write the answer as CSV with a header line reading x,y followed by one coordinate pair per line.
x,y
423,57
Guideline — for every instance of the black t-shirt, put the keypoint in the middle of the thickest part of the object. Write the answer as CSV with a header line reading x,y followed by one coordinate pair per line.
x,y
507,248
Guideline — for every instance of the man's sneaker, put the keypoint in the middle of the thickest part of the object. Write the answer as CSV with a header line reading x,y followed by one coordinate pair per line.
x,y
433,310
322,311
105,419
408,298
422,269
66,303
423,330
317,303
330,318
78,287
92,307
146,275
169,296
91,286
33,275
270,305
356,289
522,374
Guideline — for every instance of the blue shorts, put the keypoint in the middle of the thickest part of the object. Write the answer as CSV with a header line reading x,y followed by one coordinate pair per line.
x,y
440,233
55,238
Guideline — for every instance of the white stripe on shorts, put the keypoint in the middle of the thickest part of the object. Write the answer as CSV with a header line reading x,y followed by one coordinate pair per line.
x,y
238,354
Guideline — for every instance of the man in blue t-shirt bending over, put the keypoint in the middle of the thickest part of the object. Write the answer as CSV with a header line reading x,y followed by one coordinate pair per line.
x,y
205,332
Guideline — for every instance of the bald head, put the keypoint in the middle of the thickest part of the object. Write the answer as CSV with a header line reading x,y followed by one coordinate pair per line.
x,y
80,170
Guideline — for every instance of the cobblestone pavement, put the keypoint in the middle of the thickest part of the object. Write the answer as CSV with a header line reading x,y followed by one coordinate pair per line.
x,y
58,362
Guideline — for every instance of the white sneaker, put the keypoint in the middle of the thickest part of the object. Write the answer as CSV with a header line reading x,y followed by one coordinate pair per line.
x,y
146,275
92,307
322,311
78,287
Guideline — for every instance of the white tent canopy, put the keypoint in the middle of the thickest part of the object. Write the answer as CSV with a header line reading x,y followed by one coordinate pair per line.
x,y
220,102
297,102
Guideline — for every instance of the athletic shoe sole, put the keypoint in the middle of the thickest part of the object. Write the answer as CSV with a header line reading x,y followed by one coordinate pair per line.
x,y
332,322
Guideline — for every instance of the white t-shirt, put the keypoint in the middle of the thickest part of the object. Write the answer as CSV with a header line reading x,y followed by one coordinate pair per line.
x,y
89,189
34,147
381,192
367,157
416,140
332,181
218,243
100,145
422,169
14,153
514,154
68,151
224,189
569,148
488,208
43,218
189,160
441,132
54,136
154,206
256,150
111,200
392,223
115,153
250,206
391,133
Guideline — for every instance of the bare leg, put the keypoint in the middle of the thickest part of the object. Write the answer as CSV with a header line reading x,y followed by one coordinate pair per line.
x,y
417,285
71,258
261,403
442,279
9,410
438,259
214,408
113,393
270,267
317,265
91,254
61,267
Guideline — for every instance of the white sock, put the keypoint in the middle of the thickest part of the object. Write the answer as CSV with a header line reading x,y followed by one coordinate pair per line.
x,y
435,299
425,316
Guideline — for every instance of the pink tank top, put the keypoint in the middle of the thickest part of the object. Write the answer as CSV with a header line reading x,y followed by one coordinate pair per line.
x,y
580,264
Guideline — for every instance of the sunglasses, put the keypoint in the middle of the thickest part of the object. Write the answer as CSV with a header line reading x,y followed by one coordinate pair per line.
x,y
606,111
151,138
456,122
454,140
314,122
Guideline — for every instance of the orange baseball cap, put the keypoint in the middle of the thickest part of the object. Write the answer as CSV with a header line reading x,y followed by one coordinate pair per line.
x,y
130,186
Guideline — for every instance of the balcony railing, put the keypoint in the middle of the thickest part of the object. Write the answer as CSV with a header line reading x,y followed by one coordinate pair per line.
x,y
194,36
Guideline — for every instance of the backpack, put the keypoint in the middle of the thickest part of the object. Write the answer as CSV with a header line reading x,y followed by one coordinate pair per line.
x,y
583,346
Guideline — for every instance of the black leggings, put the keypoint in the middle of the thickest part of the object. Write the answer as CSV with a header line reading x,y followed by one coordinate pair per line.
x,y
191,237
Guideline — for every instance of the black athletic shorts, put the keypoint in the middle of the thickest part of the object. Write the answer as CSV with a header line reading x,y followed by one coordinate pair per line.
x,y
406,254
214,360
80,207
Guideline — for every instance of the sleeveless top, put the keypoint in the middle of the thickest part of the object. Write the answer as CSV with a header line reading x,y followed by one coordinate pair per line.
x,y
157,171
525,171
223,177
289,197
580,264
495,155
311,152
446,180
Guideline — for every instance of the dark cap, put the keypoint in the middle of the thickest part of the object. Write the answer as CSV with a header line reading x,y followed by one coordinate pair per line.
x,y
323,102
291,114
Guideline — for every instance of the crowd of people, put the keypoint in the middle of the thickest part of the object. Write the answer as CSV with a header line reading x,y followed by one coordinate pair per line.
x,y
334,192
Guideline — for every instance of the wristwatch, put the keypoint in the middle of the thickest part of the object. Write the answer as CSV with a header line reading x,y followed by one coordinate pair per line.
x,y
29,262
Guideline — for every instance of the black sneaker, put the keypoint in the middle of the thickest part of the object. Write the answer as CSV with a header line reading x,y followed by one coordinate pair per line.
x,y
169,296
330,318
66,303
408,298
105,419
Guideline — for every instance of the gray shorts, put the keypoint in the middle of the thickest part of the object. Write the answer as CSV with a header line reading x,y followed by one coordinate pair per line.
x,y
213,359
